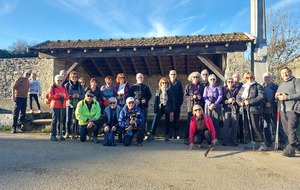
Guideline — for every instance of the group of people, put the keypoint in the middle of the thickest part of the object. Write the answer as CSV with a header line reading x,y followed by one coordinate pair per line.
x,y
234,113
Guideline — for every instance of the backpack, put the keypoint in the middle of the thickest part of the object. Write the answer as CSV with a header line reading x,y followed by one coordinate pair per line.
x,y
47,98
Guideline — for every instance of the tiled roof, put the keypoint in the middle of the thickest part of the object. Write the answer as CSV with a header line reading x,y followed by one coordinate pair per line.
x,y
144,42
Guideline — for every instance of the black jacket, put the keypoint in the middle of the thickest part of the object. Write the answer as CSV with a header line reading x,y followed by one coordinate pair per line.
x,y
189,96
178,91
170,107
140,91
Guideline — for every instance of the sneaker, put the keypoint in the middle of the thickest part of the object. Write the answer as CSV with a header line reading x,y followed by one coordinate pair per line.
x,y
263,147
31,111
13,130
250,145
40,111
178,137
67,136
289,153
151,137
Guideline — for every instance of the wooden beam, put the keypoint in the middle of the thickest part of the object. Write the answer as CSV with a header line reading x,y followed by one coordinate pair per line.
x,y
75,65
98,68
158,51
88,71
110,68
160,65
134,65
187,64
212,67
174,62
121,65
147,65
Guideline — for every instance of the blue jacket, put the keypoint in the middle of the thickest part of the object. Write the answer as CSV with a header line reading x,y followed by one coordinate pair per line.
x,y
125,115
107,116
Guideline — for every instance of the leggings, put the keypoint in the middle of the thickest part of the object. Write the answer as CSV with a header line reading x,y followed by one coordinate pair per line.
x,y
35,96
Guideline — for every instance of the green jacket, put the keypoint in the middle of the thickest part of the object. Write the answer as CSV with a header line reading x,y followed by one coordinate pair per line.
x,y
83,114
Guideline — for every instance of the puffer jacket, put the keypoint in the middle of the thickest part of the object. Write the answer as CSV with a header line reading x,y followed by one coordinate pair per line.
x,y
83,114
256,98
55,96
207,122
125,115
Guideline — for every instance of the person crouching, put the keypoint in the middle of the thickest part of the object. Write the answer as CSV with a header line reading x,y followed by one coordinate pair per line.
x,y
131,120
201,128
110,119
87,113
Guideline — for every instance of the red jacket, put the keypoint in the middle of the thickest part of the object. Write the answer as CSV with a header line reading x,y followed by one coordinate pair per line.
x,y
55,94
207,122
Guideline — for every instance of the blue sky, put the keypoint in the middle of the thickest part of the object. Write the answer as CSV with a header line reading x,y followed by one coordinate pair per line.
x,y
36,21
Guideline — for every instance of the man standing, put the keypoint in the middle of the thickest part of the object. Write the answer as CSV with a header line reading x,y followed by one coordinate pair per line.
x,y
177,89
141,94
289,94
19,96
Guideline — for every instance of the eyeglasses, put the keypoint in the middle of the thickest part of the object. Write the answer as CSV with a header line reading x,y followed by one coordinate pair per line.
x,y
130,102
212,79
249,77
195,77
121,77
90,96
172,74
28,73
198,110
112,102
205,74
59,80
164,83
229,81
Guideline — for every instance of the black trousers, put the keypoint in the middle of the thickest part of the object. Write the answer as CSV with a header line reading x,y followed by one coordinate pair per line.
x,y
19,112
289,122
203,135
35,97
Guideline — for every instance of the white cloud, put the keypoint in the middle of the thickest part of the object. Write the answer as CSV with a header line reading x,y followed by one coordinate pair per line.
x,y
284,4
200,31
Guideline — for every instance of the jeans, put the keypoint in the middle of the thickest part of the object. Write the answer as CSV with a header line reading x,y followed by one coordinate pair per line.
x,y
84,131
19,112
127,140
56,118
203,135
230,127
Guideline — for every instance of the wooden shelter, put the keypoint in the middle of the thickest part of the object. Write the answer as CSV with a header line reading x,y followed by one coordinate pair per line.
x,y
150,56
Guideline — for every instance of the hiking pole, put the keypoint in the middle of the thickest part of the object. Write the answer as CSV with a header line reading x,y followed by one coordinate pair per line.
x,y
210,147
244,131
250,125
277,126
61,119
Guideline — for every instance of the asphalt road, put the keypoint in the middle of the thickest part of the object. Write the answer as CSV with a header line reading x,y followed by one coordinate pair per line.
x,y
32,161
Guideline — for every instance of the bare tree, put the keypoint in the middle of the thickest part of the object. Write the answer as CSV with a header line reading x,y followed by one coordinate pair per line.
x,y
283,39
19,47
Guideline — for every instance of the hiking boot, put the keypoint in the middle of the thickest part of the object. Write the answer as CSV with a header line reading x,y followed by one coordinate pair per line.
x,y
250,145
95,140
263,147
53,138
289,152
186,141
166,137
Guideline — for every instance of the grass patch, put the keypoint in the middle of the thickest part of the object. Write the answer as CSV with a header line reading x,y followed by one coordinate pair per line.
x,y
5,128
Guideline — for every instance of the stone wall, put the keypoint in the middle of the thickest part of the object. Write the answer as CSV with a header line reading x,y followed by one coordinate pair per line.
x,y
46,69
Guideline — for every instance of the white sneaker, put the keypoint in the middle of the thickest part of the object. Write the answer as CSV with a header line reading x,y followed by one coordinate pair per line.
x,y
39,111
250,145
263,147
31,111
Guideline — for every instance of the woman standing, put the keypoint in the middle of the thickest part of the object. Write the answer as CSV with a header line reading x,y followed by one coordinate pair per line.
x,y
58,96
213,96
251,99
230,113
122,89
107,90
164,104
95,90
193,95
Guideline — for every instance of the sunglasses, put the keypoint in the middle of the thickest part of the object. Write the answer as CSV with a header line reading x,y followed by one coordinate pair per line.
x,y
112,102
28,73
205,74
195,77
172,74
229,81
212,79
249,77
130,102
198,110
90,96
59,80
164,83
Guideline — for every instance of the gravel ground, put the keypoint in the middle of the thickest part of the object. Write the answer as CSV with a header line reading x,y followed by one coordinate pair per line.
x,y
31,161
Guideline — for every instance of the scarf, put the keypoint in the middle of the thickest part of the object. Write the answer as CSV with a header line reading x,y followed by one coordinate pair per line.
x,y
246,90
163,96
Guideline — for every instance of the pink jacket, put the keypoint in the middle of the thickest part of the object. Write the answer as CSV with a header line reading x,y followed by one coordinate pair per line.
x,y
207,122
